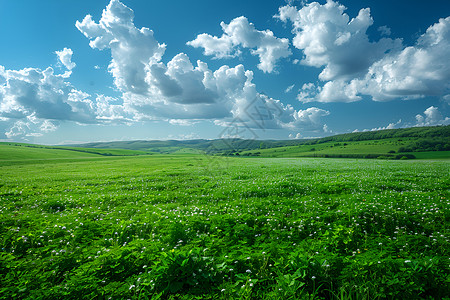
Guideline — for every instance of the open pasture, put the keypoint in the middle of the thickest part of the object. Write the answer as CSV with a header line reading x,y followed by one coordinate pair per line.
x,y
195,227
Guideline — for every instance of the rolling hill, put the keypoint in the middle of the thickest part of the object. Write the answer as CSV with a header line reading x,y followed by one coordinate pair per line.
x,y
419,142
405,143
14,153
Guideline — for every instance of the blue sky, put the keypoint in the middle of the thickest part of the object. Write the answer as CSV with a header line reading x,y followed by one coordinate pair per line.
x,y
140,69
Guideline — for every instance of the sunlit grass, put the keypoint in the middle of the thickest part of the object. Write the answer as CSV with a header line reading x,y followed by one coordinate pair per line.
x,y
139,227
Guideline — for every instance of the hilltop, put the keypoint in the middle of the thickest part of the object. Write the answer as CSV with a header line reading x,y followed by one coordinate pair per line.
x,y
405,143
391,143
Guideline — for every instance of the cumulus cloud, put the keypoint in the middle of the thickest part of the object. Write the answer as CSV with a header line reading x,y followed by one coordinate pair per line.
x,y
311,115
295,136
389,126
111,110
180,90
43,94
354,67
30,127
309,119
182,122
132,49
150,87
331,91
329,39
416,71
35,101
431,117
240,33
65,57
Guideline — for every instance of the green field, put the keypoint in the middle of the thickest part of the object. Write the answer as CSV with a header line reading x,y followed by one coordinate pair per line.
x,y
19,153
389,144
385,148
77,225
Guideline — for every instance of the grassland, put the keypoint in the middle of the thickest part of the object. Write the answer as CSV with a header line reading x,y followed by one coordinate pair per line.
x,y
385,148
386,144
20,153
82,226
423,139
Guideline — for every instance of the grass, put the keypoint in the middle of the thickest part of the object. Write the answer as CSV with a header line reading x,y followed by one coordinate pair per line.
x,y
434,138
357,148
19,153
25,152
194,227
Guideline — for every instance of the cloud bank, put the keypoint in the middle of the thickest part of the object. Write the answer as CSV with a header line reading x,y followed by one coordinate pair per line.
x,y
182,92
353,66
178,89
431,117
35,101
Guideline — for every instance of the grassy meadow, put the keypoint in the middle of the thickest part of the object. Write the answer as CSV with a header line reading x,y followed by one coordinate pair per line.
x,y
385,149
77,225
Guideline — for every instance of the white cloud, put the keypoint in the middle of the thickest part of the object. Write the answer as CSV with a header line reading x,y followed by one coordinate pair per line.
x,y
432,117
18,129
308,119
242,34
65,57
311,115
132,49
331,91
111,110
180,90
150,87
389,126
295,137
354,67
182,122
331,40
47,126
42,94
289,88
33,101
416,71
30,127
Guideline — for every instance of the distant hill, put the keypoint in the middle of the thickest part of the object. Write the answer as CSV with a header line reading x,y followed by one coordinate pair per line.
x,y
195,146
406,143
439,132
11,153
399,141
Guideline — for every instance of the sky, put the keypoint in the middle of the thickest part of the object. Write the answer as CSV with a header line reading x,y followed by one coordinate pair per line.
x,y
109,70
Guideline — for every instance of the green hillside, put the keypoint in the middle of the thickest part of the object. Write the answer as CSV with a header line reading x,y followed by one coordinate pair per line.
x,y
358,144
217,146
392,148
11,153
197,227
417,142
16,151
